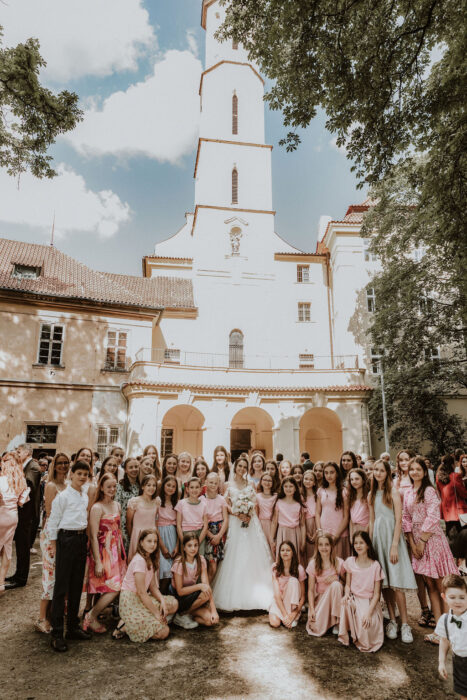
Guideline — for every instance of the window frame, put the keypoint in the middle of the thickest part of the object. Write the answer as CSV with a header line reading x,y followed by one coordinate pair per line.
x,y
370,300
306,360
234,179
376,355
235,114
300,277
109,441
36,268
367,255
235,350
108,367
166,438
51,340
304,310
42,426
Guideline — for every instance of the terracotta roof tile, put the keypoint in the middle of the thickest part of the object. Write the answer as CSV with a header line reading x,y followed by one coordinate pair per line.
x,y
63,276
274,389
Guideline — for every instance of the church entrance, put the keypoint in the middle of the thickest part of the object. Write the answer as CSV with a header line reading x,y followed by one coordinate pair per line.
x,y
321,434
251,429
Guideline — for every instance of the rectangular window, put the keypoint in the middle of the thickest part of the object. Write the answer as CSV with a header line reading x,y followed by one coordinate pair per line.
x,y
304,311
303,273
115,358
306,361
376,355
26,272
107,435
432,354
367,255
167,441
370,299
172,355
41,434
50,344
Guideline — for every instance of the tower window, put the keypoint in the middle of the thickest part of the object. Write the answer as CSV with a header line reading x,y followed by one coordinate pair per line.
x,y
304,311
235,186
303,273
236,349
234,114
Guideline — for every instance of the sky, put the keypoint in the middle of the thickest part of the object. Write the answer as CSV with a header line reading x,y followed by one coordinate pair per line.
x,y
126,172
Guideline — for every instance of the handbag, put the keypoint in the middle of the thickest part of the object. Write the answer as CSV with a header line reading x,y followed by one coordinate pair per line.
x,y
462,516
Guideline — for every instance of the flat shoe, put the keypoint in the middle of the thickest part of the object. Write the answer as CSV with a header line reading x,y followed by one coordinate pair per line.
x,y
40,626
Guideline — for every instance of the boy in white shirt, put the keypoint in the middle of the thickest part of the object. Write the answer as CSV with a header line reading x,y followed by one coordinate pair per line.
x,y
67,525
452,630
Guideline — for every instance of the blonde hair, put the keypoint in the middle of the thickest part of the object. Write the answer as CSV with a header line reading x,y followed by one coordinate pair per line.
x,y
14,474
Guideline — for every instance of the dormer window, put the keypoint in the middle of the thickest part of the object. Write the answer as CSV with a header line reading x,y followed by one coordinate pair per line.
x,y
26,272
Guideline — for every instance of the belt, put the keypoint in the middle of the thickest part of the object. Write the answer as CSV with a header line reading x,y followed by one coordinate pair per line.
x,y
74,532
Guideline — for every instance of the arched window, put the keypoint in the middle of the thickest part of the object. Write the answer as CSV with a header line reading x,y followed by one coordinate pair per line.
x,y
235,185
236,349
234,114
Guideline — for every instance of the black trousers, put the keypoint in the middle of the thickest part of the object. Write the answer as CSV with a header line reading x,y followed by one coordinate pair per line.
x,y
70,563
23,543
34,529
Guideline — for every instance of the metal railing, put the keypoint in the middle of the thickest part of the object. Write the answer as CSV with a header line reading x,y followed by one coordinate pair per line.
x,y
187,358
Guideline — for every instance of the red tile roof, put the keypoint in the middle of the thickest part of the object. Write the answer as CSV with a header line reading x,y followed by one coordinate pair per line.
x,y
63,276
273,389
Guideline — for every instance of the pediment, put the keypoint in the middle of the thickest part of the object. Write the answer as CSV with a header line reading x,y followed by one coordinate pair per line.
x,y
236,219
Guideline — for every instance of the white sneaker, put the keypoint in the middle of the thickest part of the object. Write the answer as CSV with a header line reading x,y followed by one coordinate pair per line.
x,y
391,629
335,629
406,633
169,618
185,621
294,623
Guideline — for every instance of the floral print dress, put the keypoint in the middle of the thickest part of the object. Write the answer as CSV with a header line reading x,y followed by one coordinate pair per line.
x,y
123,497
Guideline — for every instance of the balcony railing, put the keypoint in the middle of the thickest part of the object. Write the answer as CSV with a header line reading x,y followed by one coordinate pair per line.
x,y
186,358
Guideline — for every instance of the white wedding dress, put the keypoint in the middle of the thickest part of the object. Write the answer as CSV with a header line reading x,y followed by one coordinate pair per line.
x,y
244,577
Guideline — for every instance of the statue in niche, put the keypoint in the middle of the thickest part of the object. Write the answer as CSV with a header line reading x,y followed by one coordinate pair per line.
x,y
235,236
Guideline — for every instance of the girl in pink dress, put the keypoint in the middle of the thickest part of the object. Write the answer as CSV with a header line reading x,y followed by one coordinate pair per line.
x,y
310,489
288,581
361,614
257,468
325,590
318,470
402,481
185,469
265,502
167,529
107,559
218,522
169,466
289,521
273,470
285,468
142,512
191,512
297,473
201,471
14,492
332,509
221,466
359,510
430,552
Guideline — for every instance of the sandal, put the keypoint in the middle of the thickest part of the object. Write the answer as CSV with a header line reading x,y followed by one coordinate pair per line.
x,y
119,631
431,638
425,618
42,626
89,623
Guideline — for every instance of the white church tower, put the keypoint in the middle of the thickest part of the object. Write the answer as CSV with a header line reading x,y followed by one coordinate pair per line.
x,y
253,367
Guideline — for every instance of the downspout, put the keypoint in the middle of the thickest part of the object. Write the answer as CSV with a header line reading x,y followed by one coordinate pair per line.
x,y
328,284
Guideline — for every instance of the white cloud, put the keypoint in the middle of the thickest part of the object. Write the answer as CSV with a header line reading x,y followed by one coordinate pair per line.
x,y
192,43
157,117
81,37
76,207
333,144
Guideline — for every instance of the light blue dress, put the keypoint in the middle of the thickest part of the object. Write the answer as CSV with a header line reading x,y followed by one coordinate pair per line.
x,y
398,575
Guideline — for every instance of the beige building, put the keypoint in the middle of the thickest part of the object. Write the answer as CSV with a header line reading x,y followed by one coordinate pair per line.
x,y
68,336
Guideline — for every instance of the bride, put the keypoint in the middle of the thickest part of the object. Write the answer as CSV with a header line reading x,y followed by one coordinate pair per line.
x,y
243,580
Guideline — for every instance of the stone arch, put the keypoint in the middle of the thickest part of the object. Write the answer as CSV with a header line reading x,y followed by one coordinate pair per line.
x,y
320,434
182,427
251,429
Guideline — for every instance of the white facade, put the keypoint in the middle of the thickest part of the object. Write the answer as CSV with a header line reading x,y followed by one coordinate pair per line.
x,y
299,381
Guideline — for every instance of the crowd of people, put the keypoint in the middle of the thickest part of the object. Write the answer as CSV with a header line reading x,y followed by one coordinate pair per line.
x,y
174,542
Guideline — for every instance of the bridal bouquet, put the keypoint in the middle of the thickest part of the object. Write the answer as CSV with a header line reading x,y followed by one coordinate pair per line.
x,y
243,506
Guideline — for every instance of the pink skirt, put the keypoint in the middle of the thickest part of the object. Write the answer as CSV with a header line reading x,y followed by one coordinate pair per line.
x,y
437,560
290,534
355,527
327,610
8,523
310,526
365,638
290,599
267,529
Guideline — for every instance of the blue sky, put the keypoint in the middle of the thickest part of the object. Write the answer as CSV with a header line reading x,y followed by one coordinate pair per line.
x,y
127,172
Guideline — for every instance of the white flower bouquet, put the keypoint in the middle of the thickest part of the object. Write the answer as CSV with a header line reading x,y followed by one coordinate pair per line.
x,y
243,506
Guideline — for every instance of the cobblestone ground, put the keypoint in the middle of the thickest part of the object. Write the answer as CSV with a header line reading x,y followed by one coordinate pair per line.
x,y
241,658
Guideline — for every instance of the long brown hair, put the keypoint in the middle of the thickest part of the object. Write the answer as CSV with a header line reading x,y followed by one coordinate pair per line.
x,y
445,469
426,483
99,495
332,557
352,491
387,486
187,537
156,458
174,496
152,560
407,452
279,565
325,485
164,465
276,480
215,468
255,454
296,494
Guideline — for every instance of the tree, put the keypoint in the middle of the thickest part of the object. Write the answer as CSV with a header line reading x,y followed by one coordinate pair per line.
x,y
391,77
31,116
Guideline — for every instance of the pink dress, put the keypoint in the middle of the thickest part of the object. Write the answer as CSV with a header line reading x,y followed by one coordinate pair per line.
x,y
143,519
328,597
288,519
359,516
289,589
112,554
9,514
309,507
265,513
192,514
331,519
437,560
362,587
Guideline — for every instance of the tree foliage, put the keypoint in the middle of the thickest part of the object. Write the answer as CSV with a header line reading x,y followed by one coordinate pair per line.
x,y
31,116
